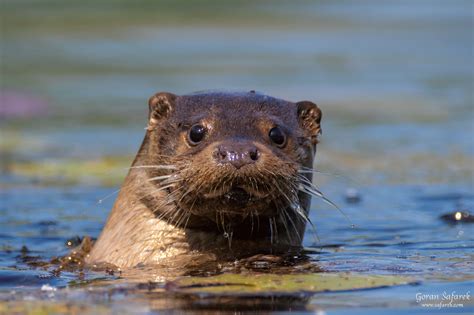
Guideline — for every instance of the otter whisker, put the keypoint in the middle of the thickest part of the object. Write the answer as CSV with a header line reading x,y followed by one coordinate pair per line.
x,y
175,218
251,222
275,228
171,181
159,177
154,191
169,214
297,208
182,217
283,221
162,214
108,196
189,191
282,192
302,167
285,212
188,216
185,214
313,171
271,230
167,179
312,190
283,215
185,194
163,167
163,188
258,220
293,200
194,201
315,192
151,193
307,184
290,195
306,170
171,197
220,219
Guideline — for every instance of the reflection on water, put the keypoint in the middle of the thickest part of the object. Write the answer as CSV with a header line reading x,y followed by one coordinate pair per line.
x,y
402,236
394,81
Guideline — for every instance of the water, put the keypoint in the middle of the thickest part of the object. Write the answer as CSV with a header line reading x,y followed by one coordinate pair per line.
x,y
393,79
408,239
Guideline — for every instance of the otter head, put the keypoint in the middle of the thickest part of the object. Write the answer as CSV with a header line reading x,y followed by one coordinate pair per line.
x,y
230,158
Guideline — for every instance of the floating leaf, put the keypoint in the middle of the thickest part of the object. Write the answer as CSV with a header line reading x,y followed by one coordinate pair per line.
x,y
250,284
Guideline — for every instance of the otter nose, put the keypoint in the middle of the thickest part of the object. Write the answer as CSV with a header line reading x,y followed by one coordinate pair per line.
x,y
237,154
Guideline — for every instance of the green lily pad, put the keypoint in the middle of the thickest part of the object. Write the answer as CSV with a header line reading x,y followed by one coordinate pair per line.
x,y
289,284
51,307
107,171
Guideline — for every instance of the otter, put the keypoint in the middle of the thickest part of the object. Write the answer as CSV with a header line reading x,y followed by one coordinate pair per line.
x,y
219,175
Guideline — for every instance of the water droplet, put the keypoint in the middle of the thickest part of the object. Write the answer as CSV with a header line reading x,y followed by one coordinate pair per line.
x,y
352,195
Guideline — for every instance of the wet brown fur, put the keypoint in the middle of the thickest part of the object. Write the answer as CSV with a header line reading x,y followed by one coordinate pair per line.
x,y
188,220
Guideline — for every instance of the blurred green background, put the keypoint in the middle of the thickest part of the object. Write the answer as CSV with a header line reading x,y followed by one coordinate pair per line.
x,y
393,78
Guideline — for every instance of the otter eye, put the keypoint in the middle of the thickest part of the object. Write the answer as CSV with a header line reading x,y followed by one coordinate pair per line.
x,y
277,136
196,134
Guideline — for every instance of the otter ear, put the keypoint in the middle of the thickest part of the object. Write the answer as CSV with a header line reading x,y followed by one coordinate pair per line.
x,y
160,106
309,116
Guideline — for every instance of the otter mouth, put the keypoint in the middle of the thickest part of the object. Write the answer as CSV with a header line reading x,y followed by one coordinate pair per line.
x,y
237,196
234,199
236,202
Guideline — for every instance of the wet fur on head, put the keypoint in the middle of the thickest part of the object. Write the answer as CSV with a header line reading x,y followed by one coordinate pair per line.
x,y
195,185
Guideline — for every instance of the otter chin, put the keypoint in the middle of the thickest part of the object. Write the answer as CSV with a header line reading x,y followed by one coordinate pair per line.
x,y
219,175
